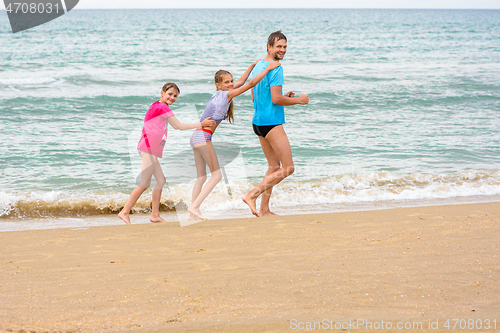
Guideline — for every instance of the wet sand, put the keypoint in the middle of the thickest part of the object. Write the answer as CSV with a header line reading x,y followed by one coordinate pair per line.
x,y
400,266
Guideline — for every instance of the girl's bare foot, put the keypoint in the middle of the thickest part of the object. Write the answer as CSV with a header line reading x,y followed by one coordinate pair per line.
x,y
251,203
157,219
195,212
124,217
267,213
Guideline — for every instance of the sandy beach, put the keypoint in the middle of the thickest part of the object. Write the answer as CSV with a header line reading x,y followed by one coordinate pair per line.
x,y
413,267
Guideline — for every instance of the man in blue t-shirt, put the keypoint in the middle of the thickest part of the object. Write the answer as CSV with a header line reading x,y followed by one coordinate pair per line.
x,y
268,121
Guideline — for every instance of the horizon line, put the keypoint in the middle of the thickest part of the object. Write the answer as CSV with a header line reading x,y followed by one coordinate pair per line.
x,y
363,8
301,8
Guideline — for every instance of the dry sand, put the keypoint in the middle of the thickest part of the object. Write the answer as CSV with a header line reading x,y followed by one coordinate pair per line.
x,y
273,274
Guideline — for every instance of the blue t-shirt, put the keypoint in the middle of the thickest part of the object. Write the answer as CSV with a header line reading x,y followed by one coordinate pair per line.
x,y
266,112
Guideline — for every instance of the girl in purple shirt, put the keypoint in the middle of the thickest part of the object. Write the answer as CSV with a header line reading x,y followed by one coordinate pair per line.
x,y
219,107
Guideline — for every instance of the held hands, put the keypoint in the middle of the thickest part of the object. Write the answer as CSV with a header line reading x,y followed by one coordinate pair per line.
x,y
207,122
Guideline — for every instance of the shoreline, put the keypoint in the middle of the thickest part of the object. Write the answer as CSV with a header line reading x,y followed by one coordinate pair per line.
x,y
9,224
244,275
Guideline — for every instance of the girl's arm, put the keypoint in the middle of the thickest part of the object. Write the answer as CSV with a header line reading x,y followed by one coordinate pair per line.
x,y
253,82
176,124
241,81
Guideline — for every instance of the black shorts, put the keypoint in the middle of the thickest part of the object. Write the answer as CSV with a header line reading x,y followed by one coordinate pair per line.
x,y
263,130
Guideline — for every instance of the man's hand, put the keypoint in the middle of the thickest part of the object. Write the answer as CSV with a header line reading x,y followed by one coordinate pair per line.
x,y
303,99
290,94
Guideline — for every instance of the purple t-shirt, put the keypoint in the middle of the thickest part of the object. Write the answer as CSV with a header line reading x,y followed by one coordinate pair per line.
x,y
217,106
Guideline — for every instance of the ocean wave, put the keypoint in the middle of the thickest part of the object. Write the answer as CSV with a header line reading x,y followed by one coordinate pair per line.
x,y
30,82
61,204
387,187
347,188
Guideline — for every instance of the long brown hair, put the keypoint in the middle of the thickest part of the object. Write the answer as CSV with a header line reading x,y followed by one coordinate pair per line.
x,y
217,79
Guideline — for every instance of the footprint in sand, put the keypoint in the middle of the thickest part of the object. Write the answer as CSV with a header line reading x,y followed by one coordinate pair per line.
x,y
200,267
35,257
104,252
228,267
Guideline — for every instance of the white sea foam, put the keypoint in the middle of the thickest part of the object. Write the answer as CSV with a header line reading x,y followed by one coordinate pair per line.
x,y
226,197
355,189
352,189
385,187
7,200
27,81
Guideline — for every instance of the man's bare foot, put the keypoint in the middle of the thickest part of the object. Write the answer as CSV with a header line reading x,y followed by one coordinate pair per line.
x,y
157,219
191,217
251,203
267,213
124,217
195,213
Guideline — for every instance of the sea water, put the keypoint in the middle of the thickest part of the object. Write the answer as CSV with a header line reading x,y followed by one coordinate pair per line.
x,y
404,109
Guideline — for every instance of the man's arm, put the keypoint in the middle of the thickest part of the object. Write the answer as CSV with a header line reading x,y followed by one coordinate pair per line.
x,y
283,100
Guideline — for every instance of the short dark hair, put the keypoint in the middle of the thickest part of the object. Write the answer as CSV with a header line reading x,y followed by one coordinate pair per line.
x,y
170,85
277,35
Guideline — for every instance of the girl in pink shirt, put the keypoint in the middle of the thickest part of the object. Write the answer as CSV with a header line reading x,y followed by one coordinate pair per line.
x,y
150,147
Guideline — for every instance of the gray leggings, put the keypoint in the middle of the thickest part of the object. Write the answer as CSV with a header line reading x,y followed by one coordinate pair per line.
x,y
150,167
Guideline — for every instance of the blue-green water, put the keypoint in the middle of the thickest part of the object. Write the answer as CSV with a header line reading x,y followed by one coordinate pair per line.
x,y
404,107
